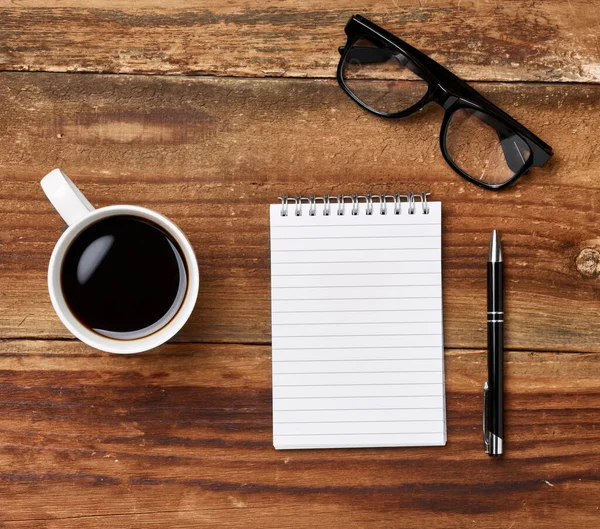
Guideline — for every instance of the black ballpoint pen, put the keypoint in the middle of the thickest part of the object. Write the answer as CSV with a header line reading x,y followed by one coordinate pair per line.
x,y
493,429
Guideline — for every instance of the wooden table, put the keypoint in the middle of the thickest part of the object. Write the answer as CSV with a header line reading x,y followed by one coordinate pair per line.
x,y
209,112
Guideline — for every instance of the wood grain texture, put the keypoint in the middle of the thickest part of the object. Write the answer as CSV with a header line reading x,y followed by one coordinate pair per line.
x,y
541,40
181,437
212,153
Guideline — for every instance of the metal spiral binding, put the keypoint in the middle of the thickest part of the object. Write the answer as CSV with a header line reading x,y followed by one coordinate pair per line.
x,y
409,200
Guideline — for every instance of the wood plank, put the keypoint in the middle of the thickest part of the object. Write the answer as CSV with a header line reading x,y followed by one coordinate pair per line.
x,y
182,437
545,40
212,153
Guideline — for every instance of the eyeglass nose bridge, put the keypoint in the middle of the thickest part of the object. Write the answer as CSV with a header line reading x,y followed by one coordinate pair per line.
x,y
443,98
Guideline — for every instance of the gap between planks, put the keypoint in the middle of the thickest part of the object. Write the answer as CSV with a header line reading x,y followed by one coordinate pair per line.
x,y
136,513
269,344
207,77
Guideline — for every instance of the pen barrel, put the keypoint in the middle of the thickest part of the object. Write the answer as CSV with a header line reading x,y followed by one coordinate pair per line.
x,y
495,349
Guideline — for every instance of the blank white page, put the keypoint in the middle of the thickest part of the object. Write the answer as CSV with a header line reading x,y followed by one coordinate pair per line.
x,y
358,355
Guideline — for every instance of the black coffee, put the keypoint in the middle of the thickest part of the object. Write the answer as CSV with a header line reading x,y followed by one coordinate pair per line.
x,y
124,277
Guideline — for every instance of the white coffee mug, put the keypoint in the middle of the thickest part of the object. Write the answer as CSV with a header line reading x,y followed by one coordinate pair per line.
x,y
79,214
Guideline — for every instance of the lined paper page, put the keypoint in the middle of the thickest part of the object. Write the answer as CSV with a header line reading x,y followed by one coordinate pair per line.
x,y
358,356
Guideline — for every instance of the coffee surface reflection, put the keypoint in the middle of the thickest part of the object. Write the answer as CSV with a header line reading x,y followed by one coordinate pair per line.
x,y
124,277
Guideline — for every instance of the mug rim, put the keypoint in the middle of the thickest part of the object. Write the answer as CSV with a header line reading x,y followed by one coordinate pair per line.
x,y
104,343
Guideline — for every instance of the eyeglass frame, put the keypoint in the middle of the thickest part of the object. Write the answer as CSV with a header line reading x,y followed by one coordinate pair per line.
x,y
447,90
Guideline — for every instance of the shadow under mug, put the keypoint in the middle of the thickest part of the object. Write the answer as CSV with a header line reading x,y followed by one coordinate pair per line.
x,y
79,214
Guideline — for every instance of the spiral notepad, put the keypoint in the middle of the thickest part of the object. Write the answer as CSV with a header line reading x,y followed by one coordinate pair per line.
x,y
358,357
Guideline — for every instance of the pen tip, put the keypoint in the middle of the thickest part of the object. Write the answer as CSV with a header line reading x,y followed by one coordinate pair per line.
x,y
495,248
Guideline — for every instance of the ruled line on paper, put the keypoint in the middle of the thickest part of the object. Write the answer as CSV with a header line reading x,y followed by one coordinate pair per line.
x,y
362,409
363,274
366,421
391,322
381,354
374,268
367,390
351,262
412,365
356,317
299,373
287,237
356,335
356,310
306,342
357,360
343,305
352,327
363,397
357,249
329,384
346,348
354,286
361,299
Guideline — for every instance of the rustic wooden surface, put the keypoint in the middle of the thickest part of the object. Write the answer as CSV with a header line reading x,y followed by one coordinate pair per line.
x,y
212,153
181,436
532,40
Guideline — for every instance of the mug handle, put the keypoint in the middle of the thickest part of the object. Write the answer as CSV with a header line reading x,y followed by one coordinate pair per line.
x,y
65,197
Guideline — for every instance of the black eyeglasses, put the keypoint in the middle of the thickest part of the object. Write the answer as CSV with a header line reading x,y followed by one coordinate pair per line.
x,y
390,78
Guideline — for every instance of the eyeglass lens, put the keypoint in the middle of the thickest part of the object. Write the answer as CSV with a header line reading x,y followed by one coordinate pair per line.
x,y
484,147
382,77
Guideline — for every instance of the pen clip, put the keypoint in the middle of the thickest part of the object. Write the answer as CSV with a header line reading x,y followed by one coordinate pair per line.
x,y
486,432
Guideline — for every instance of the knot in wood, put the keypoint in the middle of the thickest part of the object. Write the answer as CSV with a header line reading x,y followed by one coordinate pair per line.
x,y
588,262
